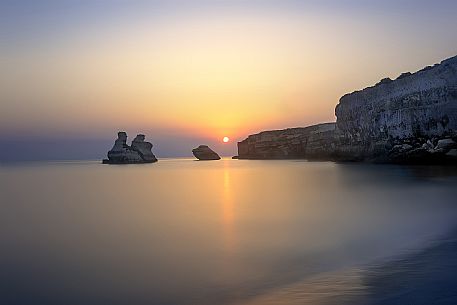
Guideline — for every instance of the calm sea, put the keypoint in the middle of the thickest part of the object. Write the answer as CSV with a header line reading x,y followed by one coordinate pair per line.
x,y
226,232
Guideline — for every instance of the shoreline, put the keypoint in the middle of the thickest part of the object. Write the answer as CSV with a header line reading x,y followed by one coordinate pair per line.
x,y
421,276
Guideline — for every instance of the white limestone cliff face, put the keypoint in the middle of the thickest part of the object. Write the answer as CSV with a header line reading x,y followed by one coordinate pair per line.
x,y
138,152
416,109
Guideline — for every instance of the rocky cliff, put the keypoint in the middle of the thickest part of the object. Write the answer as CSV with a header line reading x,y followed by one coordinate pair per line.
x,y
403,120
410,119
138,152
305,142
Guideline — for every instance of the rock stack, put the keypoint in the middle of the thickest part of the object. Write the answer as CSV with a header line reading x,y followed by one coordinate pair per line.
x,y
203,152
138,152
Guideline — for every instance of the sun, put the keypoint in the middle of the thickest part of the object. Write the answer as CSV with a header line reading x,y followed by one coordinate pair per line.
x,y
225,139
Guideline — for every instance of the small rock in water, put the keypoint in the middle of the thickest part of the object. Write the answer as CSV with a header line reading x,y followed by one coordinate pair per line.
x,y
203,152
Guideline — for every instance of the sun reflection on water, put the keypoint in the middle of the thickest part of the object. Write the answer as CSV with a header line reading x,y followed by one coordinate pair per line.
x,y
228,212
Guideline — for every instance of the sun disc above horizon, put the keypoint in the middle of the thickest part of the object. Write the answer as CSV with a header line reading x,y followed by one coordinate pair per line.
x,y
225,139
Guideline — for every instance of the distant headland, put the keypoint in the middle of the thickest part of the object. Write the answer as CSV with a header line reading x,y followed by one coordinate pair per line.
x,y
412,119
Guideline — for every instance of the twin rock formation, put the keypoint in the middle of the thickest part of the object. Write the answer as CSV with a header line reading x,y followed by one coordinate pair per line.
x,y
412,119
140,151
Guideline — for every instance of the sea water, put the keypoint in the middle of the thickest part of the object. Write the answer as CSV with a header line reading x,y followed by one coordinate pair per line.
x,y
218,232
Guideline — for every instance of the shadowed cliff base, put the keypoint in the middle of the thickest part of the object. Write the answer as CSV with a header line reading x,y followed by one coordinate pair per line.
x,y
412,119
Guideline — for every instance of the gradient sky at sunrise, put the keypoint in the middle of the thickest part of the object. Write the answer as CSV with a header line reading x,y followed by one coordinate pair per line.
x,y
190,72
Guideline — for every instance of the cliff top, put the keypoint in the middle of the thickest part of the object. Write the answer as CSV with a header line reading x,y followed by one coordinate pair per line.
x,y
296,130
444,73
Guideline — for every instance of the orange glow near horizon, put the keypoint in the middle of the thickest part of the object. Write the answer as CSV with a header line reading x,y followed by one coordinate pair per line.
x,y
199,73
167,75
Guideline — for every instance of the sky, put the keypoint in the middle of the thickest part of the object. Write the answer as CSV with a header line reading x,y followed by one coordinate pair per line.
x,y
73,73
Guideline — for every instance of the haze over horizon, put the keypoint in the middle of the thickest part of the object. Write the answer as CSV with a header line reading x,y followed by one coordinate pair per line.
x,y
191,72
